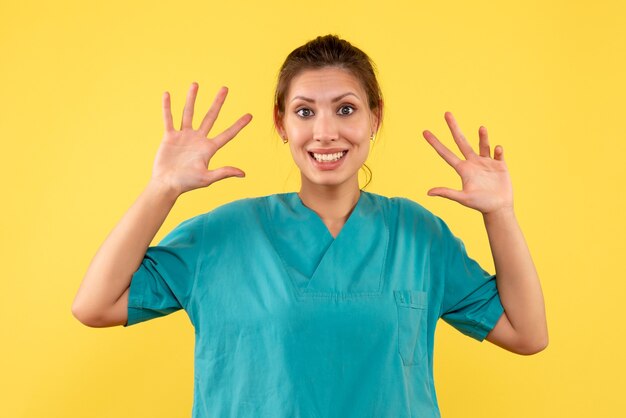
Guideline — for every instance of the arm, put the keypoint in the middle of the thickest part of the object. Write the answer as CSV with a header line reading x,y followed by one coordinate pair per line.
x,y
487,188
180,166
522,328
102,298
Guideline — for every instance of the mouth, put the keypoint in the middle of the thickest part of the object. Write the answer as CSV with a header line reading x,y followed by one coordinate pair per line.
x,y
328,158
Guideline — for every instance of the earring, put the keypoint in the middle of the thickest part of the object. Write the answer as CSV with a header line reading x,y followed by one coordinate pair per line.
x,y
285,139
372,136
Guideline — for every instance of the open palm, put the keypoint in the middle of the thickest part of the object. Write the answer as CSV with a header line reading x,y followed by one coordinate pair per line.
x,y
486,181
183,157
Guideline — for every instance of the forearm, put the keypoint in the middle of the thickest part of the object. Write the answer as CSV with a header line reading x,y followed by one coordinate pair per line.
x,y
517,279
110,272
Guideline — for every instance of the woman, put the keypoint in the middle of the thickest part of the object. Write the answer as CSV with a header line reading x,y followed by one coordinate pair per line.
x,y
321,303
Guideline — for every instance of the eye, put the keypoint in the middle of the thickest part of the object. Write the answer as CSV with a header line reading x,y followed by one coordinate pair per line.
x,y
304,112
346,110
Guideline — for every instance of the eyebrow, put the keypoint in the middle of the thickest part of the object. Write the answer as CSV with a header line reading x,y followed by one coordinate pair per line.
x,y
336,99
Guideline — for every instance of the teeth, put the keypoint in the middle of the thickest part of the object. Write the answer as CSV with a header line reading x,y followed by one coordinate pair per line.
x,y
328,157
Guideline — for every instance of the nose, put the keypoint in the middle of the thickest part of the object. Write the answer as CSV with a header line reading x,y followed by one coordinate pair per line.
x,y
325,128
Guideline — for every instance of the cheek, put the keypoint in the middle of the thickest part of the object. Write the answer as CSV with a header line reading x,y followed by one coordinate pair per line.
x,y
364,150
296,148
357,129
297,132
358,136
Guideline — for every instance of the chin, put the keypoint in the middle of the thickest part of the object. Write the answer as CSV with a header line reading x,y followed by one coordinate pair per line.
x,y
329,180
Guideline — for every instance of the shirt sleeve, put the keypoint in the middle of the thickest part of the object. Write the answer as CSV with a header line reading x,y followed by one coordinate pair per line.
x,y
471,302
163,282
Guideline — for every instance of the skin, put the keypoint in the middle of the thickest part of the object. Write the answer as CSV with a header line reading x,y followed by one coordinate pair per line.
x,y
332,194
180,166
315,120
487,187
184,155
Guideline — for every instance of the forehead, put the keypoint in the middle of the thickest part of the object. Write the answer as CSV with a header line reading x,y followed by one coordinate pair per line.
x,y
323,83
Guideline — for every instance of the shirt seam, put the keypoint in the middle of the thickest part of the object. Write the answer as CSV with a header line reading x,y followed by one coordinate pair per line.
x,y
137,297
302,295
489,320
197,265
272,238
445,274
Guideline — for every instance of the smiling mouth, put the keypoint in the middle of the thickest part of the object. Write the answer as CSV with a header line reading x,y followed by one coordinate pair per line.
x,y
328,158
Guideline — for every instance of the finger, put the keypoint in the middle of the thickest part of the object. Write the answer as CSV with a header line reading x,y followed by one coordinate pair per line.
x,y
458,136
223,172
441,149
451,194
188,110
230,133
483,142
498,154
167,112
214,110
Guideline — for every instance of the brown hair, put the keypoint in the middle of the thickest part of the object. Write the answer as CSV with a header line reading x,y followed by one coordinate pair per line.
x,y
329,51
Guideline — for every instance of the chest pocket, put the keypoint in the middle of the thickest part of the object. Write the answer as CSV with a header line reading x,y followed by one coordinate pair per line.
x,y
412,312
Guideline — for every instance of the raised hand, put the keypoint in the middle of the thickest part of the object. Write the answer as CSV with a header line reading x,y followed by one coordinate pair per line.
x,y
182,160
486,181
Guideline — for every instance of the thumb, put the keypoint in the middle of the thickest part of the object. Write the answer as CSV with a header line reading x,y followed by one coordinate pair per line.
x,y
451,194
223,172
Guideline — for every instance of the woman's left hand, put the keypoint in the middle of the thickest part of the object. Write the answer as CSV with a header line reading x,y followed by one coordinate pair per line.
x,y
486,181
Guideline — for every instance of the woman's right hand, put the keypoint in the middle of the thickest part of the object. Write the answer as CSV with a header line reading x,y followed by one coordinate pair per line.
x,y
181,163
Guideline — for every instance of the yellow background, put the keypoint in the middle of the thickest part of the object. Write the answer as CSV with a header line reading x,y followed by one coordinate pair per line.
x,y
80,122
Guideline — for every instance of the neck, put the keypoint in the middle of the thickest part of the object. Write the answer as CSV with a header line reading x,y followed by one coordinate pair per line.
x,y
332,203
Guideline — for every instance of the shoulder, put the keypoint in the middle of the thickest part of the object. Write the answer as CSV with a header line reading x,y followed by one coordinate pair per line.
x,y
398,203
231,219
237,213
408,214
236,207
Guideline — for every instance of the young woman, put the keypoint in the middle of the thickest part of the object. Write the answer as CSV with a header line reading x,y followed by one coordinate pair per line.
x,y
321,303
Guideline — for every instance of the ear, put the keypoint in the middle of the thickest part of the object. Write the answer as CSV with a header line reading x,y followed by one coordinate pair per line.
x,y
376,117
278,122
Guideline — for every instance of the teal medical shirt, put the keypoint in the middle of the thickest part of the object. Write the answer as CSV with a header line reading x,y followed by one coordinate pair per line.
x,y
291,322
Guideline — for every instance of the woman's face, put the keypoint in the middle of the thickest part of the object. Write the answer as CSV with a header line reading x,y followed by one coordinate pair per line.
x,y
328,122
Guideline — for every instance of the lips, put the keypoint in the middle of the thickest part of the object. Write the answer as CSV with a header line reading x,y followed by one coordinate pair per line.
x,y
327,160
328,157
